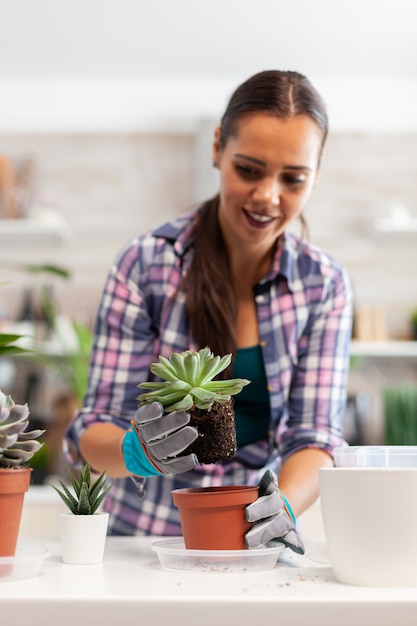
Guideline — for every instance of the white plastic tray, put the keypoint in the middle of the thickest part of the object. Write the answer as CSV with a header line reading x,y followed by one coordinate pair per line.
x,y
26,563
174,556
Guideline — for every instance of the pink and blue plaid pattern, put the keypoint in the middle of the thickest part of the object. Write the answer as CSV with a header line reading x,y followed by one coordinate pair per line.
x,y
305,315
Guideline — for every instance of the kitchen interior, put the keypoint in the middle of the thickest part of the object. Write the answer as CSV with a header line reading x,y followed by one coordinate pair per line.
x,y
106,121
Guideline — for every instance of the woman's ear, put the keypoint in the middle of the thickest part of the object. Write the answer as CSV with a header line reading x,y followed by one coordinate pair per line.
x,y
216,147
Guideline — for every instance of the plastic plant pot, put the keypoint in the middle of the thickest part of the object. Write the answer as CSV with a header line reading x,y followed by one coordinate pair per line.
x,y
213,518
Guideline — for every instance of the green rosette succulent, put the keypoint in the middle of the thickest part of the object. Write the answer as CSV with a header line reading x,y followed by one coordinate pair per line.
x,y
17,445
187,381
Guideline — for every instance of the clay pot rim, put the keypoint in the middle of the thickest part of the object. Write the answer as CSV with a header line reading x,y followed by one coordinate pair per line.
x,y
209,491
214,497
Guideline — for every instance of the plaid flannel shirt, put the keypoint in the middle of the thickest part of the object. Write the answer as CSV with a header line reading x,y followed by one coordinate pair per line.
x,y
304,309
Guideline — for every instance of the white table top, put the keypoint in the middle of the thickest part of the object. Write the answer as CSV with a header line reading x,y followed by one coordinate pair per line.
x,y
130,587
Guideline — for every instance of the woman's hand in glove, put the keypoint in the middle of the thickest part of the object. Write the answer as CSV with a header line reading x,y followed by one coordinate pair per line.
x,y
272,516
157,438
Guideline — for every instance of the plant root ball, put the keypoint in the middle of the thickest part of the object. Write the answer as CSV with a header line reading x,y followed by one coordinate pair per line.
x,y
216,432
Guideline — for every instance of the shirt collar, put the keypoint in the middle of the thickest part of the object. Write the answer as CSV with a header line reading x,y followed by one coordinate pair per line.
x,y
286,253
180,233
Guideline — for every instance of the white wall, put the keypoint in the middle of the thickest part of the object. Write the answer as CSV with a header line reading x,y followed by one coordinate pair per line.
x,y
177,105
132,65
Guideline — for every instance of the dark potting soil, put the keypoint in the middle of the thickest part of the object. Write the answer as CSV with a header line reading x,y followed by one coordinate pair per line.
x,y
216,439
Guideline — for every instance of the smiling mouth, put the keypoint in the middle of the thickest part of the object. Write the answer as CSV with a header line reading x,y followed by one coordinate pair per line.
x,y
259,217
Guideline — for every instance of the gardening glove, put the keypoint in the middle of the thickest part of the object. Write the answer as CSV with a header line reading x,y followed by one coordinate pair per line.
x,y
273,518
157,438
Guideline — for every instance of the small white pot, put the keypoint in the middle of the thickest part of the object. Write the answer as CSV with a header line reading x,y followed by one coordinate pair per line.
x,y
83,537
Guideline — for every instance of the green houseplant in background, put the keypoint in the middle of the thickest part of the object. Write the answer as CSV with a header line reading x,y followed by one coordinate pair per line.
x,y
413,322
72,365
9,344
400,415
83,529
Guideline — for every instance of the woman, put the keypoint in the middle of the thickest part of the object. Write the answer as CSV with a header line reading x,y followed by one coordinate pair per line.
x,y
230,276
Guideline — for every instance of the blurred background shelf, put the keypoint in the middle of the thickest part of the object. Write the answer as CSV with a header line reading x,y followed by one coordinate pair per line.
x,y
49,228
384,348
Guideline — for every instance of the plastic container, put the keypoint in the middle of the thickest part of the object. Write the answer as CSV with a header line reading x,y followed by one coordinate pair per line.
x,y
375,456
368,501
369,518
174,556
26,563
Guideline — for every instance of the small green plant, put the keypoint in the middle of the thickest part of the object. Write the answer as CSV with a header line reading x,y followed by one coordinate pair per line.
x,y
17,446
188,381
400,415
86,496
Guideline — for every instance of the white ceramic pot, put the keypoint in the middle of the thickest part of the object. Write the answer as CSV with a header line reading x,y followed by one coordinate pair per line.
x,y
370,524
83,537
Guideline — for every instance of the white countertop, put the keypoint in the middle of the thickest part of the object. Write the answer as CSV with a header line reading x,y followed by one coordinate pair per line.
x,y
130,587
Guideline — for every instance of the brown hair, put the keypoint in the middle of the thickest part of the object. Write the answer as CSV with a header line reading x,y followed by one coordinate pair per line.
x,y
211,302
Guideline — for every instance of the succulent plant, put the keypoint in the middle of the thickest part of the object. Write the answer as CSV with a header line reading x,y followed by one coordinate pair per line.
x,y
86,496
188,381
188,385
17,446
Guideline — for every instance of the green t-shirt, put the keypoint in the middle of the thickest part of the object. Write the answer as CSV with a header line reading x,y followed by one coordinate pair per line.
x,y
252,403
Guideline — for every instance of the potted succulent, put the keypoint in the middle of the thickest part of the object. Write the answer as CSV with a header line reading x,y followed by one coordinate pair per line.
x,y
188,384
211,517
17,447
84,528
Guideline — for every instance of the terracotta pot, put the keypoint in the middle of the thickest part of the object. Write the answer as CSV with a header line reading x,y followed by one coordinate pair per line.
x,y
13,485
213,518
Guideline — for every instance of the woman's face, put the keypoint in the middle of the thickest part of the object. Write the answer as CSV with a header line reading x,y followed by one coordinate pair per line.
x,y
267,171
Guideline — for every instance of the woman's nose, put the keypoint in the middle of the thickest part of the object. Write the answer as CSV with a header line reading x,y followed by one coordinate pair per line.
x,y
267,192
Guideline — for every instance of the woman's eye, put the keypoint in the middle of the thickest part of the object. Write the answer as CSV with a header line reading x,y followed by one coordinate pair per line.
x,y
246,171
294,180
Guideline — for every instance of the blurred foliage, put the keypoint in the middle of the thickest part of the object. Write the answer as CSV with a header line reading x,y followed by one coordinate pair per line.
x,y
400,415
72,366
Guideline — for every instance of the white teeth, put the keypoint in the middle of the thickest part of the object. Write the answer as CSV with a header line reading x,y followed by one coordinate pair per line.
x,y
259,218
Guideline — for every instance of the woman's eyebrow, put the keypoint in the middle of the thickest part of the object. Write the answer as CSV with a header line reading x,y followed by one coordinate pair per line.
x,y
249,158
298,168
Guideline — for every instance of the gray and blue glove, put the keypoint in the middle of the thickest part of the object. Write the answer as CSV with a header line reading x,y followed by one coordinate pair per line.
x,y
272,517
156,440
